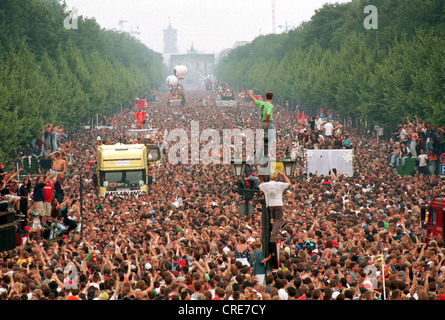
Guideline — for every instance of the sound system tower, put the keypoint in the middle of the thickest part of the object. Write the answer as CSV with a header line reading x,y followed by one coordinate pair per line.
x,y
7,227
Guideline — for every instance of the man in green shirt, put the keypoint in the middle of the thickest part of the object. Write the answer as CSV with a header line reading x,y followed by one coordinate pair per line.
x,y
266,109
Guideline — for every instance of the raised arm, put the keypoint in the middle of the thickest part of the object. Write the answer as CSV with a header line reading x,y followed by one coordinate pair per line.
x,y
229,266
286,179
250,94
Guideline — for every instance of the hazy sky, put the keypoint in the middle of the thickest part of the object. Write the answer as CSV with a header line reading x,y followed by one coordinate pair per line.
x,y
211,25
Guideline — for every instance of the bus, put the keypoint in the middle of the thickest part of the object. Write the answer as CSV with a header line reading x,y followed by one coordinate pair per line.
x,y
122,169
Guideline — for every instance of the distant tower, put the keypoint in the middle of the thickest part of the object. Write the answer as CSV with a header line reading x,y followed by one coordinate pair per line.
x,y
170,39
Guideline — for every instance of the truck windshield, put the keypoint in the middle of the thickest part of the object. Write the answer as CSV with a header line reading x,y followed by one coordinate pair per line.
x,y
154,154
123,179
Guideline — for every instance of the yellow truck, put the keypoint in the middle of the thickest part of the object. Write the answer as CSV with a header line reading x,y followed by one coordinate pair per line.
x,y
122,169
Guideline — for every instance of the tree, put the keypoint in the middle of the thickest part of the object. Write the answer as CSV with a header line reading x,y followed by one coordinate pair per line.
x,y
52,74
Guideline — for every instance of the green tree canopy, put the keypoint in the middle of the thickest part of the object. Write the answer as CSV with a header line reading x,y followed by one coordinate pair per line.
x,y
334,62
49,73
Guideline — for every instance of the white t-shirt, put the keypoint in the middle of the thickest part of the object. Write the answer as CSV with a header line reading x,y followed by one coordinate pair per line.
x,y
328,127
273,192
318,123
283,294
403,134
423,160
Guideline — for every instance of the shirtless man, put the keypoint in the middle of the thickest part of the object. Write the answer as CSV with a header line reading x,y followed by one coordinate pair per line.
x,y
59,164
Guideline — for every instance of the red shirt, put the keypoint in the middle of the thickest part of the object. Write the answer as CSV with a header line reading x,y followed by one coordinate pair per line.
x,y
432,157
48,192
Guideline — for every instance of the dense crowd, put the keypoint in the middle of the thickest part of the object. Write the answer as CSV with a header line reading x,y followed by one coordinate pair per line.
x,y
36,156
223,90
186,240
319,134
419,141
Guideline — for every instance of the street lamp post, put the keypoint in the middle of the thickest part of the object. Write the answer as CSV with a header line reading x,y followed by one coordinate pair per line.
x,y
81,201
265,216
247,192
238,166
238,169
289,164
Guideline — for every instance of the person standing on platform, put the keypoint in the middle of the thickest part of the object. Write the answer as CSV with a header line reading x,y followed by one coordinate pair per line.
x,y
37,194
25,191
266,109
59,194
58,163
48,191
273,193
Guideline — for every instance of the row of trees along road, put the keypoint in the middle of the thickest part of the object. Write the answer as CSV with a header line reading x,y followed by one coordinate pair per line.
x,y
334,62
49,73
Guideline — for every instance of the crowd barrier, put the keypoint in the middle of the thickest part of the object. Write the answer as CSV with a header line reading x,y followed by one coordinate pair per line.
x,y
408,168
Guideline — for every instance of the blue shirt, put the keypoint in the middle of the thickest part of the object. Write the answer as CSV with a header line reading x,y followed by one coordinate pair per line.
x,y
38,192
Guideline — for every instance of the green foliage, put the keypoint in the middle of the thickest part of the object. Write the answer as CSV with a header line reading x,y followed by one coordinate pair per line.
x,y
334,62
64,76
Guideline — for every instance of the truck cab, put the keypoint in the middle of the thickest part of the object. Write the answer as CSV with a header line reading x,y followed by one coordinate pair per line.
x,y
434,219
122,169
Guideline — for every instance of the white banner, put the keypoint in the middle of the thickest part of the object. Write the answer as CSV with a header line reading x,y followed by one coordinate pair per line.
x,y
122,192
119,163
321,161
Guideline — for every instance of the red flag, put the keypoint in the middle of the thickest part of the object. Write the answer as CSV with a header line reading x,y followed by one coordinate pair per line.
x,y
302,117
141,104
122,115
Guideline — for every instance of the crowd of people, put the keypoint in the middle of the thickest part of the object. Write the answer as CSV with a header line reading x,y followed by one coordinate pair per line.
x,y
323,134
222,89
226,94
37,156
176,92
354,237
419,141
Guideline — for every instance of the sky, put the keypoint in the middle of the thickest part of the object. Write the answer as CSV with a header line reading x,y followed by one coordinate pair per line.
x,y
210,25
